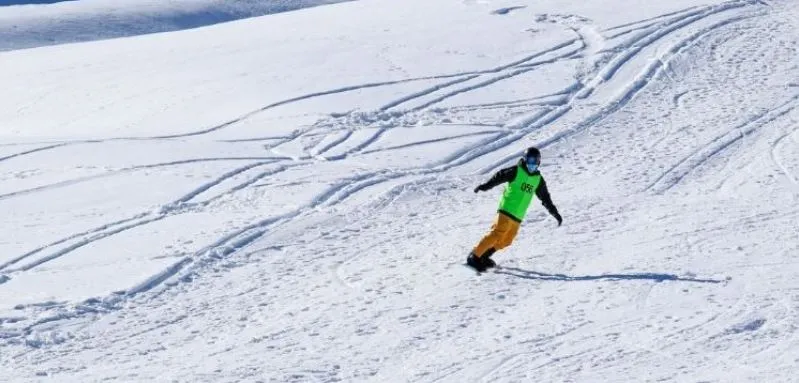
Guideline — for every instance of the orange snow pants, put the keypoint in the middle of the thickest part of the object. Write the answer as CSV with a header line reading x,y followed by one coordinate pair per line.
x,y
501,235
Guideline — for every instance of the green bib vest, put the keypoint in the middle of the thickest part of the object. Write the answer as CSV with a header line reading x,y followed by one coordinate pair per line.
x,y
519,193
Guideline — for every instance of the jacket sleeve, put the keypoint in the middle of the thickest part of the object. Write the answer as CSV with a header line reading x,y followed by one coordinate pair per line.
x,y
543,194
503,176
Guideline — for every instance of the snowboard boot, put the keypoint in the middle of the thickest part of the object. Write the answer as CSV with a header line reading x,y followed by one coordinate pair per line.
x,y
476,262
487,261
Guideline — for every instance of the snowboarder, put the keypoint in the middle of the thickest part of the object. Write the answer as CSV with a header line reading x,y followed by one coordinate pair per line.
x,y
523,180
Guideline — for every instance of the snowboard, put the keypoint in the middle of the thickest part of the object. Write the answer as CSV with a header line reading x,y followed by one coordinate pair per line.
x,y
478,271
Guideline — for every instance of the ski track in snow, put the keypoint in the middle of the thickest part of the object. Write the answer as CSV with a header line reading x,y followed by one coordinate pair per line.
x,y
615,64
648,22
82,239
30,152
580,95
72,182
775,150
654,68
678,172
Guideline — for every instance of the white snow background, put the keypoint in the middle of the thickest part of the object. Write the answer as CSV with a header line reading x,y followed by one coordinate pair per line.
x,y
288,196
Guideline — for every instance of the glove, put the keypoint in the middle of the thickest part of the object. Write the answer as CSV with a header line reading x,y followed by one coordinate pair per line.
x,y
479,188
559,218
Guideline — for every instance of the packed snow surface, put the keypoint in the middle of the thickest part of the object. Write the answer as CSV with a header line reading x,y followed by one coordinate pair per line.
x,y
289,197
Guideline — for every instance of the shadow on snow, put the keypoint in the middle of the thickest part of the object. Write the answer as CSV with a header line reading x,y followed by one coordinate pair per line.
x,y
527,274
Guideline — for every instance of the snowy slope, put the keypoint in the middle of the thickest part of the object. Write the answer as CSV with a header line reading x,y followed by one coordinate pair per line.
x,y
289,197
29,24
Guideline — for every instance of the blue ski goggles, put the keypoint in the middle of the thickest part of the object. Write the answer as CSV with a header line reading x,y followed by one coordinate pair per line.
x,y
532,163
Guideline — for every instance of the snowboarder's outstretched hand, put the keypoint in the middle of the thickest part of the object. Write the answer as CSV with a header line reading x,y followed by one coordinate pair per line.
x,y
558,217
480,188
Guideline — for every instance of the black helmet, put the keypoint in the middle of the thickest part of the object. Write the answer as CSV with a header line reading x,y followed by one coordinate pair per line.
x,y
532,158
532,152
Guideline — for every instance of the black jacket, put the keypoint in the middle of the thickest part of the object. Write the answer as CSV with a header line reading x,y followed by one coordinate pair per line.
x,y
509,174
